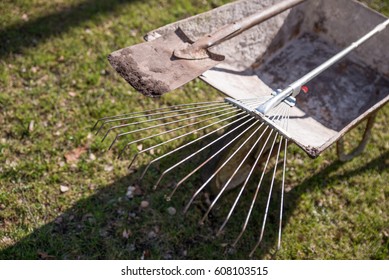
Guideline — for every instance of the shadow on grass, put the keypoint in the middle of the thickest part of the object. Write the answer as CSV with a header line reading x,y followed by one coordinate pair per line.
x,y
320,180
17,37
106,225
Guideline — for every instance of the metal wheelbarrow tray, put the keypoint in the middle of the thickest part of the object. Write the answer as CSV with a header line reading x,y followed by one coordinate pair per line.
x,y
280,50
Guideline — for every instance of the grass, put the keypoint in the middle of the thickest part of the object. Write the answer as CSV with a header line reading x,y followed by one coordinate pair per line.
x,y
55,82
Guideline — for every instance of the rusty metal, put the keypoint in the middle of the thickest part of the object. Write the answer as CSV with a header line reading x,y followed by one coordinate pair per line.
x,y
166,63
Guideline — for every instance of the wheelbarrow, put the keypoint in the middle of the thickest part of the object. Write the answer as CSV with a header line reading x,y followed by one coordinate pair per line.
x,y
282,49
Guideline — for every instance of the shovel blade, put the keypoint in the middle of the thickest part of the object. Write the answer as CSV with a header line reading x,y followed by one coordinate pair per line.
x,y
152,69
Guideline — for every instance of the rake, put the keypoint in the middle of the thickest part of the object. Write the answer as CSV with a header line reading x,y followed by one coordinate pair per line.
x,y
257,128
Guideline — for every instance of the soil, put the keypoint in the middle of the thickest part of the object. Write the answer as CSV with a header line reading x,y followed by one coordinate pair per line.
x,y
128,68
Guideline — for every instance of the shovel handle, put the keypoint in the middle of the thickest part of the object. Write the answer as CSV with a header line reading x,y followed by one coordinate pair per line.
x,y
233,29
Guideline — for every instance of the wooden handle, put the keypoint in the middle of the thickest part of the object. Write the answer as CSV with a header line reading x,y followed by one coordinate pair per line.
x,y
233,29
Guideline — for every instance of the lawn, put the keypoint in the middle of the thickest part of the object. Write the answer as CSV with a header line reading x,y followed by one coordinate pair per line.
x,y
64,196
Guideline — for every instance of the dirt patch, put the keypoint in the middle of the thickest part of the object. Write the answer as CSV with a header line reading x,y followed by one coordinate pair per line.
x,y
128,68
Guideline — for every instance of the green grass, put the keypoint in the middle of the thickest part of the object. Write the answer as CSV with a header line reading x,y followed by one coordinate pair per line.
x,y
55,82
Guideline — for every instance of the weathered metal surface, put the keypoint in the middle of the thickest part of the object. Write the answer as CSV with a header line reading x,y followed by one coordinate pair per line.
x,y
166,63
282,49
152,69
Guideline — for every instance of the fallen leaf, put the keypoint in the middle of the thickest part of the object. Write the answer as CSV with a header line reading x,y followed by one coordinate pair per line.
x,y
25,17
144,204
130,191
73,156
31,126
108,168
126,233
34,69
92,157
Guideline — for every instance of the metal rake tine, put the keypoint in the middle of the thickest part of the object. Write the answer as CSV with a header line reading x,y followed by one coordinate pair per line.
x,y
210,158
162,124
153,114
253,98
244,184
160,118
268,199
287,122
278,113
220,168
152,110
233,110
278,119
193,141
284,113
159,125
198,151
183,135
282,195
233,175
256,193
284,119
254,104
172,122
254,101
201,165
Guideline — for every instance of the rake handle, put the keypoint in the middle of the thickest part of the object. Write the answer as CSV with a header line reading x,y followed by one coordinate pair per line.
x,y
294,88
233,29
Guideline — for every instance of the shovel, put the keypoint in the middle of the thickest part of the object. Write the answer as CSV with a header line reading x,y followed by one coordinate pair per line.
x,y
170,61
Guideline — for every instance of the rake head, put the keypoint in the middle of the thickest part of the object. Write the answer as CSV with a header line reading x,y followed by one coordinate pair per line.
x,y
250,147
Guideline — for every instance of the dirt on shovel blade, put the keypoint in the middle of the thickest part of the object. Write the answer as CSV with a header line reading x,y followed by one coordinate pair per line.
x,y
152,69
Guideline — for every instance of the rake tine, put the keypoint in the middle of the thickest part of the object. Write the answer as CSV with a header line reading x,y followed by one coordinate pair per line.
x,y
164,124
244,184
258,187
186,134
256,192
233,110
160,118
198,151
153,110
193,141
113,142
233,175
218,170
282,195
154,114
268,199
172,122
219,151
254,101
